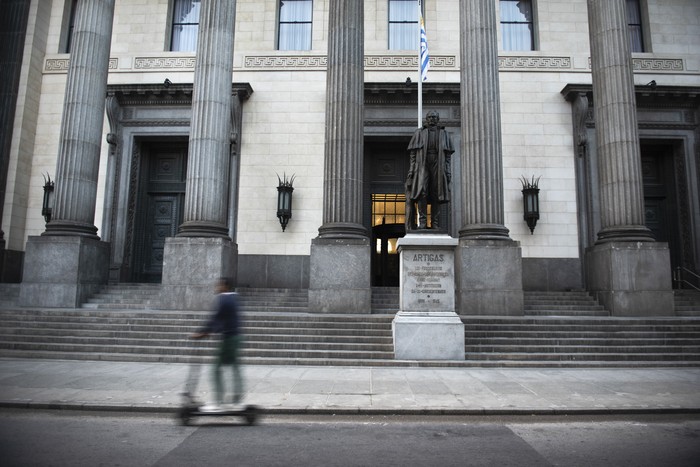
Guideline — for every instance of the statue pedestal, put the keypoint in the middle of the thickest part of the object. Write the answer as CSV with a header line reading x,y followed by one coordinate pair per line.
x,y
427,327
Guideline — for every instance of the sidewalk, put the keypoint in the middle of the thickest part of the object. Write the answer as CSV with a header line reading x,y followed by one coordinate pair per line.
x,y
156,387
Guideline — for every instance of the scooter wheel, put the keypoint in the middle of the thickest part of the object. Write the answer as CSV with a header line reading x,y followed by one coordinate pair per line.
x,y
251,415
184,416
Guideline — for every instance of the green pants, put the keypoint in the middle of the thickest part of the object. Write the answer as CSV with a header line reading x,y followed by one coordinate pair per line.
x,y
228,355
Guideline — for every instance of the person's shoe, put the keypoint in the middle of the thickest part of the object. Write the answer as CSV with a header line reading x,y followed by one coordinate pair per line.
x,y
211,408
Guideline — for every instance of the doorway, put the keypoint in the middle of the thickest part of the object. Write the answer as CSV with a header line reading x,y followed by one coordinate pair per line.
x,y
386,165
388,225
160,205
661,209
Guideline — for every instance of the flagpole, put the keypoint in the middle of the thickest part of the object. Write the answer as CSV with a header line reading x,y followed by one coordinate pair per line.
x,y
420,71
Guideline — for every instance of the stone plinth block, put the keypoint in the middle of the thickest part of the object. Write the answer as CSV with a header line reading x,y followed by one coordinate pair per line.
x,y
427,277
191,267
428,336
11,262
62,272
631,278
339,280
489,278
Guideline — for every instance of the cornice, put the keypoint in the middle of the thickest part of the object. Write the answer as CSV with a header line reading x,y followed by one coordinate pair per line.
x,y
160,94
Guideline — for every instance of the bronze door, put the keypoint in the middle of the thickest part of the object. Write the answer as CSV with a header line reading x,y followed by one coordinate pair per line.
x,y
660,206
161,206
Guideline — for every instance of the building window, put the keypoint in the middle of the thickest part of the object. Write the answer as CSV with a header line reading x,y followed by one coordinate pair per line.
x,y
517,25
634,24
388,209
185,25
296,19
403,25
71,25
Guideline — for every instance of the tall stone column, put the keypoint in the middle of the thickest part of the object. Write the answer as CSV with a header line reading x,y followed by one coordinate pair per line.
x,y
79,261
615,111
202,251
340,272
629,274
484,241
13,27
81,128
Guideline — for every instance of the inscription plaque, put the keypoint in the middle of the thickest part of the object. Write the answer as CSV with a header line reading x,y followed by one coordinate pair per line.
x,y
427,273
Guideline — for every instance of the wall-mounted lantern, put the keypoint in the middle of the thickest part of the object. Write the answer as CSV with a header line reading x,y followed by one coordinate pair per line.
x,y
47,205
531,201
284,200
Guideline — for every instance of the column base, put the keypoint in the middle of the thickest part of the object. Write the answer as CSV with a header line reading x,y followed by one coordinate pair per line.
x,y
489,278
631,278
62,272
191,268
340,273
428,336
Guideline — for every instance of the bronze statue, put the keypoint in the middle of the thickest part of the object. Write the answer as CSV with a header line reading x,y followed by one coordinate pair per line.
x,y
428,180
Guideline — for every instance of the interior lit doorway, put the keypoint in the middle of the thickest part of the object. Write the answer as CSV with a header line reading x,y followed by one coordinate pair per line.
x,y
388,225
386,166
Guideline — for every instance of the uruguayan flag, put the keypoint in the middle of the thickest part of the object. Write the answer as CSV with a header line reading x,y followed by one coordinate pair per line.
x,y
424,55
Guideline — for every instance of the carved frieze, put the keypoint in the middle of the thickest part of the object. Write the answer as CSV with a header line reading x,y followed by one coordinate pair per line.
x,y
534,63
372,62
657,64
60,65
276,61
164,63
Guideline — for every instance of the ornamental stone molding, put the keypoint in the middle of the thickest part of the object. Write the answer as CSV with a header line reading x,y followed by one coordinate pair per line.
x,y
60,65
164,63
317,62
372,63
654,64
657,64
534,63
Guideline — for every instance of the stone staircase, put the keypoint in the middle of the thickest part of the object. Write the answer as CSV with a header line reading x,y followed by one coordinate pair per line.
x,y
564,303
146,297
9,295
583,341
385,300
687,302
161,336
559,330
126,297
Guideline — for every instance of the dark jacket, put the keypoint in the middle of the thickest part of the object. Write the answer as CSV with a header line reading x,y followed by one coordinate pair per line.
x,y
226,320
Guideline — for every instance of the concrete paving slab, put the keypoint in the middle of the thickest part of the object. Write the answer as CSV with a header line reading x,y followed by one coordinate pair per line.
x,y
151,387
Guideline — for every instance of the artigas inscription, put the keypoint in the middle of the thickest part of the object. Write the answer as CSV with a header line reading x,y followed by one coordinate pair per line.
x,y
428,276
428,257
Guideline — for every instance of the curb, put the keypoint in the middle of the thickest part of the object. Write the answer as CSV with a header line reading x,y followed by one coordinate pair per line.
x,y
127,408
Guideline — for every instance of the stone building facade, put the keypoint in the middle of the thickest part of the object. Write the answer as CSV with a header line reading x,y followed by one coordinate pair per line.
x,y
166,161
